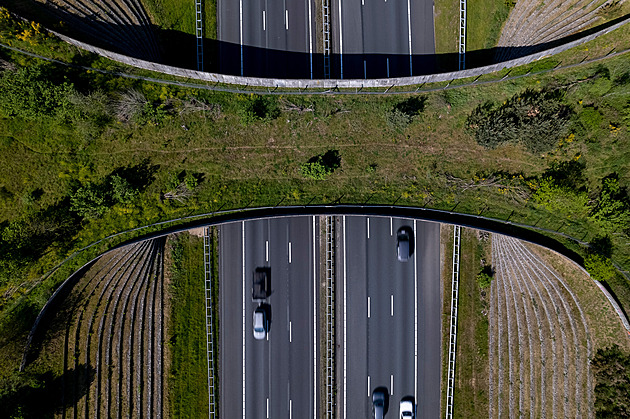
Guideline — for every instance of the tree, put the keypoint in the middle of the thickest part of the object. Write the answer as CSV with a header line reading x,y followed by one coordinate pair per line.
x,y
599,267
611,210
89,201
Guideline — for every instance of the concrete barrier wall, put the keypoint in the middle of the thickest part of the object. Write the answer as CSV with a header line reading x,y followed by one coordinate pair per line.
x,y
334,83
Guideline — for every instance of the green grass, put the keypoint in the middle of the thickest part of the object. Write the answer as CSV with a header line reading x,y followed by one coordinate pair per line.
x,y
446,22
471,373
484,20
186,339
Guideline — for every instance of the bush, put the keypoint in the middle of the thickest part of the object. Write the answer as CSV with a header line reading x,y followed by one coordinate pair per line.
x,y
258,108
611,209
536,119
560,199
28,93
89,201
599,267
485,276
320,166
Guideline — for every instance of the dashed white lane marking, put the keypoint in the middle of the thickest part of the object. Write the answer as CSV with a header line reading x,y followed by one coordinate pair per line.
x,y
391,384
267,407
368,307
368,386
392,305
264,21
267,250
391,226
290,334
289,252
368,227
286,19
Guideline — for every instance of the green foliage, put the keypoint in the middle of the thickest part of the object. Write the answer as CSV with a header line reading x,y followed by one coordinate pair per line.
x,y
560,199
320,166
258,108
611,368
611,210
398,120
590,118
89,201
535,118
484,280
28,93
121,190
599,267
403,113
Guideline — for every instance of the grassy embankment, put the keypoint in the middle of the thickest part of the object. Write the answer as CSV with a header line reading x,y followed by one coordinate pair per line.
x,y
186,338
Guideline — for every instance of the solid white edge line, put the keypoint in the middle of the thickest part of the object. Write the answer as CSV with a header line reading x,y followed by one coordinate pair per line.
x,y
344,312
392,305
368,386
314,328
409,26
243,249
368,227
415,317
289,252
368,304
310,40
241,31
340,51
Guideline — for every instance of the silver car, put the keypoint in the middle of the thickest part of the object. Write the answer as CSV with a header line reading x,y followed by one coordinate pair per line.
x,y
260,323
407,408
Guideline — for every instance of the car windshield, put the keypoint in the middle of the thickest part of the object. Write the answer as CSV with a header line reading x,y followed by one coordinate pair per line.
x,y
258,329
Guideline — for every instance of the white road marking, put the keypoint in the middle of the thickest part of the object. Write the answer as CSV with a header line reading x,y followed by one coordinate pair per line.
x,y
264,21
241,31
368,386
243,249
409,26
368,307
314,327
392,305
286,19
290,329
344,307
415,317
267,250
391,384
267,407
289,252
290,409
341,76
368,227
310,41
391,226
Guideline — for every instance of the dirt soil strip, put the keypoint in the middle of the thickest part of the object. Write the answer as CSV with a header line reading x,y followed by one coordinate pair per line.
x,y
75,300
116,398
556,346
582,332
80,331
572,374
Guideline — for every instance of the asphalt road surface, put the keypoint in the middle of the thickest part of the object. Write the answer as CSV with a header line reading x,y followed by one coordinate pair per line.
x,y
267,38
383,38
276,377
389,316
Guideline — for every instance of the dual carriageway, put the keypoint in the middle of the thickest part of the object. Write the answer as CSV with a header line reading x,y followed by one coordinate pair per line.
x,y
388,330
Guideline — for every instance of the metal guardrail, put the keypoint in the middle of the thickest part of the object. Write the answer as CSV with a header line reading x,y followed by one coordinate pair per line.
x,y
199,32
462,35
212,408
326,29
330,317
453,328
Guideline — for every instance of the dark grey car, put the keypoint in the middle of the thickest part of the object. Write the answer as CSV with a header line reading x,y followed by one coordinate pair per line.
x,y
378,403
403,244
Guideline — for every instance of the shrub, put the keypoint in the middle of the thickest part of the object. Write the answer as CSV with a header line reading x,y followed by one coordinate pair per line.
x,y
590,118
258,108
599,267
562,199
89,201
536,119
485,276
611,209
121,190
322,165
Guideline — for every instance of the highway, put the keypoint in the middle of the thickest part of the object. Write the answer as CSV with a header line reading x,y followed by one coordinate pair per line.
x,y
389,316
267,38
275,377
382,38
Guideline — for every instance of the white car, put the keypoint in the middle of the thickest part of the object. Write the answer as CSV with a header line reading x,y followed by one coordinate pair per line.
x,y
406,408
260,323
